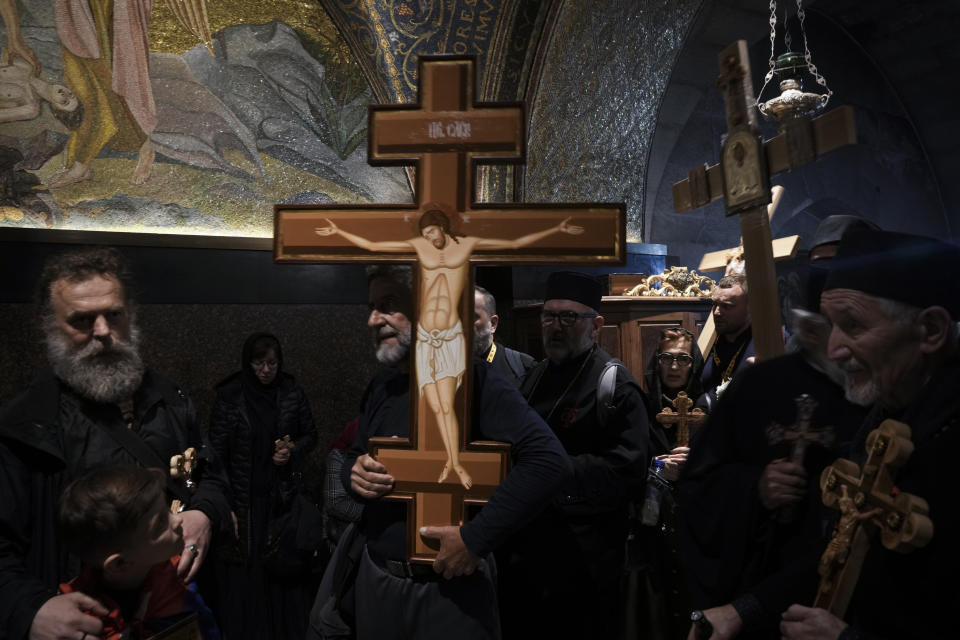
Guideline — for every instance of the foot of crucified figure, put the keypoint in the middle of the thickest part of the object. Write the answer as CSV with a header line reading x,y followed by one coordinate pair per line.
x,y
465,478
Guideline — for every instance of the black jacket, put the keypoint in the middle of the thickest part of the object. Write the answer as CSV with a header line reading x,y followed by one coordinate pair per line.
x,y
232,436
48,436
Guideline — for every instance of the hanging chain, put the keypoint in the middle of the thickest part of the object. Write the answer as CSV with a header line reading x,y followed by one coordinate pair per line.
x,y
787,38
772,62
807,56
812,68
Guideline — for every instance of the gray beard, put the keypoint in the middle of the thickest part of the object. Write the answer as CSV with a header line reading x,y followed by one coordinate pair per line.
x,y
105,374
481,342
566,350
864,394
394,354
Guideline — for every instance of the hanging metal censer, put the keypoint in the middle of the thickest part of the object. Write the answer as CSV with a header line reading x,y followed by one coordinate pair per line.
x,y
794,107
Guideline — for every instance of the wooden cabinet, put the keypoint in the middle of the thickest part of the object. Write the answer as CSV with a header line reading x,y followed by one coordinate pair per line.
x,y
631,326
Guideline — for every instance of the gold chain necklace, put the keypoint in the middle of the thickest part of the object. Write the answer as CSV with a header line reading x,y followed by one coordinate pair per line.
x,y
733,361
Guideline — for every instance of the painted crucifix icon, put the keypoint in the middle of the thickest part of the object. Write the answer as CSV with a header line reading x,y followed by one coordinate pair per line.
x,y
444,233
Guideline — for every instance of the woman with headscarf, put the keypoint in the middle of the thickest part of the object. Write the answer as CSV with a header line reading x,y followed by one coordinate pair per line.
x,y
674,367
663,603
256,409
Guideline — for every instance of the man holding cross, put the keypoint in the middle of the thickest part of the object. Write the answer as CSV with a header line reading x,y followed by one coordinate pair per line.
x,y
444,257
750,498
893,331
455,597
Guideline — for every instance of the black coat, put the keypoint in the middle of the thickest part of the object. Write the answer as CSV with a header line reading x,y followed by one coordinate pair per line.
x,y
732,547
47,437
234,439
915,594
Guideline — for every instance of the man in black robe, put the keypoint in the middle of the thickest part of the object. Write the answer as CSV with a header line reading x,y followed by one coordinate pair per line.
x,y
752,516
513,364
893,302
733,351
564,569
455,597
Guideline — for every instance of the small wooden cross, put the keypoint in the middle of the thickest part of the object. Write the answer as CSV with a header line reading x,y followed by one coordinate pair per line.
x,y
683,417
801,433
869,501
181,468
286,442
743,179
443,233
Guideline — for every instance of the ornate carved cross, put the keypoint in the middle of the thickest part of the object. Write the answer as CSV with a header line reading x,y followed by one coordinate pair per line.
x,y
683,417
444,233
743,179
869,501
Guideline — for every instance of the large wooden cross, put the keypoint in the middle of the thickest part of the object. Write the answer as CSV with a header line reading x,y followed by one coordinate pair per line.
x,y
443,233
732,259
743,179
683,417
868,501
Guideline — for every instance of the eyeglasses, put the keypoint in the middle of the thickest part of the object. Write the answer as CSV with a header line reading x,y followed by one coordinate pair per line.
x,y
565,318
264,364
667,359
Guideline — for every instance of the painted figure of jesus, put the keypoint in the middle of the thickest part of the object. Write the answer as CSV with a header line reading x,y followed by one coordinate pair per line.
x,y
444,257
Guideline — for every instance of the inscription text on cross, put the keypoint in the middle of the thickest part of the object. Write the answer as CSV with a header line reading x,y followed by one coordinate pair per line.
x,y
444,232
868,501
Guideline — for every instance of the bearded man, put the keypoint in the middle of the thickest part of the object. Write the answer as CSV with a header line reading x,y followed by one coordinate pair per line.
x,y
564,570
98,405
454,597
895,336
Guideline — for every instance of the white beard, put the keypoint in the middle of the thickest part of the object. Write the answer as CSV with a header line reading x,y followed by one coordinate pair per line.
x,y
106,374
391,354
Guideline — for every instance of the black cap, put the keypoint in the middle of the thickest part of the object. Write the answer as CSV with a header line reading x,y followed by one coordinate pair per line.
x,y
579,287
832,228
915,270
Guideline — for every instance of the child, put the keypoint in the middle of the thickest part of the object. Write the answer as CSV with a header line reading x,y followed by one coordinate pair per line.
x,y
118,522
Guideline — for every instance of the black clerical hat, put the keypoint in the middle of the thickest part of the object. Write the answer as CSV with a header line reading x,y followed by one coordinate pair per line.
x,y
579,287
915,270
832,228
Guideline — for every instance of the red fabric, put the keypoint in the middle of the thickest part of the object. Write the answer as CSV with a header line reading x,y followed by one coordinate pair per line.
x,y
162,594
347,436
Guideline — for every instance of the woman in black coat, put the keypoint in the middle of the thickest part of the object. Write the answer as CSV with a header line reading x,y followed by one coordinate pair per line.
x,y
255,408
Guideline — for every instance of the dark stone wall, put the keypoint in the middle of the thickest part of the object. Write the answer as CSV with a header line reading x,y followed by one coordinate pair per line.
x,y
195,309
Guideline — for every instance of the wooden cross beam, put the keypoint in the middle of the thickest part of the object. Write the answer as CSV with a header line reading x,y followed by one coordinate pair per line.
x,y
444,233
733,260
743,179
683,417
869,502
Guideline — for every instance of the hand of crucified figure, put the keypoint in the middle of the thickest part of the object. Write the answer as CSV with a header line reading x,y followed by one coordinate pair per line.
x,y
329,230
571,229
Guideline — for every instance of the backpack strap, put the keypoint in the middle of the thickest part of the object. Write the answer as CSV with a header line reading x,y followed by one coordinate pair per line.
x,y
514,362
606,385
